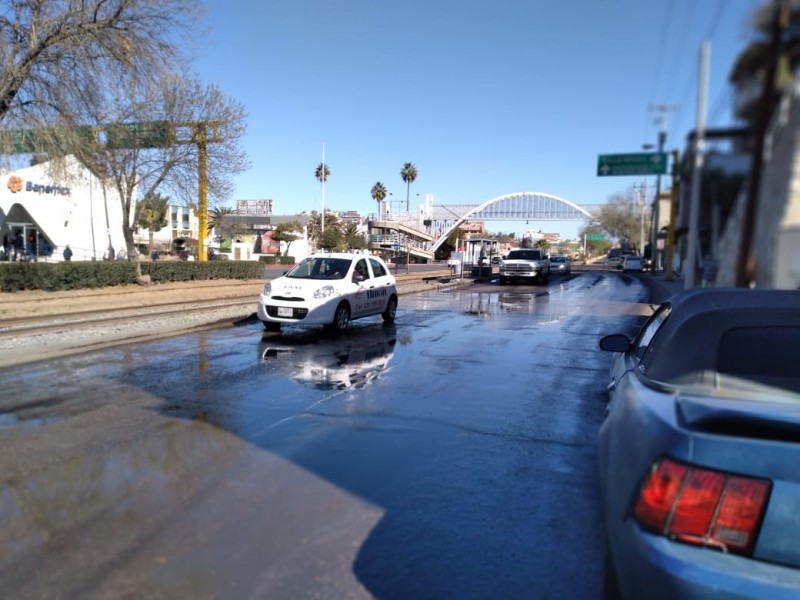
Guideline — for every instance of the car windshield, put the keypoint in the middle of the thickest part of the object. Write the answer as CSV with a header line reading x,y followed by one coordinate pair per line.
x,y
524,254
557,259
320,268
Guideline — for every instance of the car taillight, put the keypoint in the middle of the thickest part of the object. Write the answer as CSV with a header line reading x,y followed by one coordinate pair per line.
x,y
702,506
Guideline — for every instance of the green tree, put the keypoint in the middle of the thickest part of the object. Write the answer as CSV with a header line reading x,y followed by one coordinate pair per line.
x,y
332,240
353,239
408,175
219,220
288,232
542,243
322,172
153,212
314,227
378,193
216,218
594,247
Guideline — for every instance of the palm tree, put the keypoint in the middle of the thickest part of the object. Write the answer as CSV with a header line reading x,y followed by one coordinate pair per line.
x,y
216,217
379,195
153,213
408,174
322,172
217,220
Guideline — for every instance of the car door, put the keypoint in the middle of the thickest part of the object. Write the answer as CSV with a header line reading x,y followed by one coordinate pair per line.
x,y
630,359
383,285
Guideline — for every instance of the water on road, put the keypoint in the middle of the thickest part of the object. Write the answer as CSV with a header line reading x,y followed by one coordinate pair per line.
x,y
450,455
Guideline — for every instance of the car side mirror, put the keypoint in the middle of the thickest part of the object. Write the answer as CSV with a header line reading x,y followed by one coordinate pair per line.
x,y
616,342
358,277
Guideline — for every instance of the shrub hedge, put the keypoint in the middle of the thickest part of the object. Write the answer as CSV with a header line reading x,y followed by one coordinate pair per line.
x,y
15,276
276,260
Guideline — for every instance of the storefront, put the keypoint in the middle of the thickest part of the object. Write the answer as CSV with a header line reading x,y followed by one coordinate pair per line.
x,y
39,217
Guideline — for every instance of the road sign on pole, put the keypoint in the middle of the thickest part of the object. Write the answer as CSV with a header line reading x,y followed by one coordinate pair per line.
x,y
643,163
595,237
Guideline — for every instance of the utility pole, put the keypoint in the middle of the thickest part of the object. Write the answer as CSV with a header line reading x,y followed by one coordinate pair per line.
x,y
673,209
745,260
641,201
661,109
690,266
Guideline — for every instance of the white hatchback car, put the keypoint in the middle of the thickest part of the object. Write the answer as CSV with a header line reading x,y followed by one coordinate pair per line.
x,y
632,263
329,289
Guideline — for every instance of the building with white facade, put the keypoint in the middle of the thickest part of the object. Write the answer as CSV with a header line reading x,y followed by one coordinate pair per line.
x,y
40,216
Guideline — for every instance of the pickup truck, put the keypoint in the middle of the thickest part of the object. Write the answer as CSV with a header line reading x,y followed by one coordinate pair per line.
x,y
525,263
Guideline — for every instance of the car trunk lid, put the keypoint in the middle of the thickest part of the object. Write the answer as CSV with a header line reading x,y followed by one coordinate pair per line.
x,y
758,438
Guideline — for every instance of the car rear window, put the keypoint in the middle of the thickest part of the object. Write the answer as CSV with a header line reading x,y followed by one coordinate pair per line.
x,y
767,355
524,255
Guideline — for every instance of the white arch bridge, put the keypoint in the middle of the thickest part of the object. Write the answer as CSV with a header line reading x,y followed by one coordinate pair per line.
x,y
421,234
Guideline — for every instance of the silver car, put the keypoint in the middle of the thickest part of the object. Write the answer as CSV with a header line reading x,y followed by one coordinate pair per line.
x,y
560,265
632,263
699,449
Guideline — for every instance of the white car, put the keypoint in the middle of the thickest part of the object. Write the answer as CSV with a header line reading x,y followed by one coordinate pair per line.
x,y
632,263
329,289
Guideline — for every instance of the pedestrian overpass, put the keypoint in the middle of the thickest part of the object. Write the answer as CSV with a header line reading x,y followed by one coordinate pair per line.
x,y
421,234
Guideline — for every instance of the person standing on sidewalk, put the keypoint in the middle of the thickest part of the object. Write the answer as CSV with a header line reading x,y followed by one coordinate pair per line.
x,y
67,253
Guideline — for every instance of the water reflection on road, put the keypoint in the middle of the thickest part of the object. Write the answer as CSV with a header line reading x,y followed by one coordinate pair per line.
x,y
451,454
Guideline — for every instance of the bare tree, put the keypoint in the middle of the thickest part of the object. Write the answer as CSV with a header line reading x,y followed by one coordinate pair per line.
x,y
173,118
620,216
54,52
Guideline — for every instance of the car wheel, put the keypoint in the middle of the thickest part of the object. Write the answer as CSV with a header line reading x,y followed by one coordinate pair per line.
x,y
391,310
341,318
271,326
502,281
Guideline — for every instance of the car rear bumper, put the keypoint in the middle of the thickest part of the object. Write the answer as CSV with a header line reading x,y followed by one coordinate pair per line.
x,y
650,566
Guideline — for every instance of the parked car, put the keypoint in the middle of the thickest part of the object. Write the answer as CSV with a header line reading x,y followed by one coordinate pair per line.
x,y
329,289
698,451
632,263
560,265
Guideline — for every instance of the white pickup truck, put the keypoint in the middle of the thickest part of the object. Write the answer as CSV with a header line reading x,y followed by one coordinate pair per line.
x,y
525,263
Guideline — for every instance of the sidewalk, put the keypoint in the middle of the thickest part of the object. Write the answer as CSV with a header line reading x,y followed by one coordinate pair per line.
x,y
662,290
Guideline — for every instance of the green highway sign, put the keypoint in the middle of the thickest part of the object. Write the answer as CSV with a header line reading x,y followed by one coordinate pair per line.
x,y
595,237
646,163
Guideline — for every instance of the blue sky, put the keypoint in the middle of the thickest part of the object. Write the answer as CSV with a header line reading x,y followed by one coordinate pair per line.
x,y
486,98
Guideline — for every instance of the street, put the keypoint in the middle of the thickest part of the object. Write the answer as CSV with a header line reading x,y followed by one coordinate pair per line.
x,y
451,454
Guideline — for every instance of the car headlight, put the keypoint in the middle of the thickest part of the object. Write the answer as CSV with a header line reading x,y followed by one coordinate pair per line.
x,y
324,292
267,290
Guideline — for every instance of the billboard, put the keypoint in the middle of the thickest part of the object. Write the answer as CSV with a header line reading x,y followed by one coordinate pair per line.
x,y
254,208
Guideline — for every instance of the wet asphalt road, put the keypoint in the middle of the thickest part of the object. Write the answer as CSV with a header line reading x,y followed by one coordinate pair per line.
x,y
451,455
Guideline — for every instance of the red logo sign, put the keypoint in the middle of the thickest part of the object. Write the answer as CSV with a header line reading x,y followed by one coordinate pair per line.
x,y
15,184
